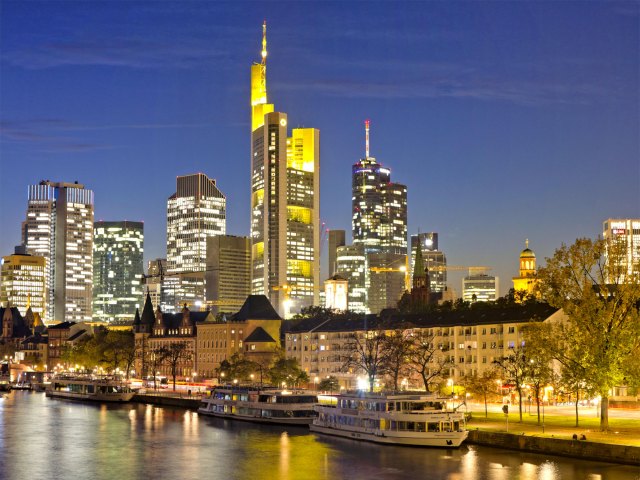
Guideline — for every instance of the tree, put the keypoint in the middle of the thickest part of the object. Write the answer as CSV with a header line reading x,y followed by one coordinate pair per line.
x,y
515,366
286,370
118,350
427,359
597,291
482,385
237,367
155,359
174,354
329,384
365,351
397,348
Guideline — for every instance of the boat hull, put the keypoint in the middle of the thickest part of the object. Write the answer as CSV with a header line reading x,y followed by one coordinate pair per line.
x,y
116,398
259,419
441,440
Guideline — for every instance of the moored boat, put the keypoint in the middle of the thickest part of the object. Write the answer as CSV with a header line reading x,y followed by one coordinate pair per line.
x,y
91,388
285,407
397,419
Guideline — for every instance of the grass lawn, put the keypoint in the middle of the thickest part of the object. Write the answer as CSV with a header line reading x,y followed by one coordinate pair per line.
x,y
621,431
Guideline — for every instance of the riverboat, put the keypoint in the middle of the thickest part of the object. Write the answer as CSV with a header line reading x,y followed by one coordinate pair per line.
x,y
97,389
262,405
396,419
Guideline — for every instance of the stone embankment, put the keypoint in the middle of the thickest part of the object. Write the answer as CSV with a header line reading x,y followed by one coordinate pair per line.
x,y
168,400
555,446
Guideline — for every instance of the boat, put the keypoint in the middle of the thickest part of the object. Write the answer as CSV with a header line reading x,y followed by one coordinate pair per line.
x,y
5,384
396,419
92,388
262,405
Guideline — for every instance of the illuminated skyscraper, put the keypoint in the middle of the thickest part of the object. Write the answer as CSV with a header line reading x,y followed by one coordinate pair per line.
x,y
117,269
434,260
351,264
195,212
228,276
59,227
480,287
285,202
22,282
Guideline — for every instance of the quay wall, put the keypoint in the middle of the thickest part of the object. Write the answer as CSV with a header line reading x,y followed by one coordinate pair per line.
x,y
168,401
556,446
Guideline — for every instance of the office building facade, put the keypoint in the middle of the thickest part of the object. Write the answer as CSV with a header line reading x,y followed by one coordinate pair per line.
x,y
351,264
480,287
59,227
285,203
435,261
228,273
625,232
195,212
336,239
118,248
22,283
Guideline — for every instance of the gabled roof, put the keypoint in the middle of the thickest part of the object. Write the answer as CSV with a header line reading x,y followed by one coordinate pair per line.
x,y
259,335
61,326
173,321
256,307
76,335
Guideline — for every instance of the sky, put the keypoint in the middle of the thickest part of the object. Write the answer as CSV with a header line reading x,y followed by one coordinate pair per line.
x,y
506,120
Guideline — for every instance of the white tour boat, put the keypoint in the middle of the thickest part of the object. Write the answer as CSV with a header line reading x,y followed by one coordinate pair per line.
x,y
397,419
284,407
98,389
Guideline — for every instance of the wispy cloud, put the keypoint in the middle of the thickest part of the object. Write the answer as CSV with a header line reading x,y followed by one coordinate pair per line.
x,y
33,133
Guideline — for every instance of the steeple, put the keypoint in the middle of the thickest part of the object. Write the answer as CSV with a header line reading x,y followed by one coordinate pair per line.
x,y
147,317
418,267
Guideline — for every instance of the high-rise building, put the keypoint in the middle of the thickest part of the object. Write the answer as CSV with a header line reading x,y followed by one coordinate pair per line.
x,y
626,233
22,283
480,288
59,227
117,269
228,273
379,207
351,264
285,203
434,260
153,284
336,239
387,280
195,212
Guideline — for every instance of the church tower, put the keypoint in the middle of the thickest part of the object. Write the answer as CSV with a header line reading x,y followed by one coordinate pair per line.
x,y
526,280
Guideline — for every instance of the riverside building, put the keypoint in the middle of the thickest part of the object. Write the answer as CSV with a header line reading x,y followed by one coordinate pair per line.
x,y
118,248
22,282
285,202
59,227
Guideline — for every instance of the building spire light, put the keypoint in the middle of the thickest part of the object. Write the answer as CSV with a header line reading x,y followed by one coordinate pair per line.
x,y
264,43
366,128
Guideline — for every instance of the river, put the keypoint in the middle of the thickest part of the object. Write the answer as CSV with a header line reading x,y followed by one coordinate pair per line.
x,y
43,438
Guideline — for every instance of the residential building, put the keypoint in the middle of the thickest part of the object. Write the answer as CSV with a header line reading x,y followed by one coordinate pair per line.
x,y
351,264
336,239
63,335
59,227
626,233
195,212
285,202
480,287
435,261
468,341
118,248
22,282
228,273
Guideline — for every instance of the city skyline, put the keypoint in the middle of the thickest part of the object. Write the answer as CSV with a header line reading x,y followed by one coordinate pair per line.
x,y
505,121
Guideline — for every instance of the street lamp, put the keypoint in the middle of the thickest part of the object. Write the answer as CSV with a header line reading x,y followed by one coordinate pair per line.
x,y
222,377
315,381
450,384
252,375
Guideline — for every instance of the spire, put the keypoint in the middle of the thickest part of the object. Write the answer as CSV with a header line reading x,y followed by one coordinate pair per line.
x,y
526,243
366,128
264,43
136,319
147,312
418,267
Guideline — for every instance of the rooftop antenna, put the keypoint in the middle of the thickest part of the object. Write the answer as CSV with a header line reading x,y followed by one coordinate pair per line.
x,y
366,128
264,43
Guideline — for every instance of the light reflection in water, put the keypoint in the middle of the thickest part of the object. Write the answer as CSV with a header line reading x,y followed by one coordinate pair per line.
x,y
102,442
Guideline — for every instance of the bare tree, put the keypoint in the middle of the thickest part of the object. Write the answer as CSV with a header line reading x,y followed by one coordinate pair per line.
x,y
365,352
427,359
397,347
515,367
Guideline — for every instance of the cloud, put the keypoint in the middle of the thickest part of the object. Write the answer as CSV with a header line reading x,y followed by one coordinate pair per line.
x,y
31,133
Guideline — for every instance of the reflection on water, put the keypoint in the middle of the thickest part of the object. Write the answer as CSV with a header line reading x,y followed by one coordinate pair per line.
x,y
42,438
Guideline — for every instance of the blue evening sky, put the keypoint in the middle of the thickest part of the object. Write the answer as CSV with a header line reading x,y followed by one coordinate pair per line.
x,y
506,120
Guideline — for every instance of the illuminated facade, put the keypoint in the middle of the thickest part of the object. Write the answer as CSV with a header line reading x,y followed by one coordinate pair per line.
x,y
285,203
480,288
526,280
336,293
387,280
117,269
22,283
195,212
228,275
59,227
627,231
435,261
351,263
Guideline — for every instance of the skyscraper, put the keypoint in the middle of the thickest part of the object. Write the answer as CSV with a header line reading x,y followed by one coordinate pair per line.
x,y
59,227
480,287
228,275
434,260
625,232
336,239
22,282
285,202
195,212
351,263
379,213
117,269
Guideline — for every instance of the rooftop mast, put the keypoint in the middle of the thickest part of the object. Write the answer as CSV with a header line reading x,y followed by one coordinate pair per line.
x,y
366,128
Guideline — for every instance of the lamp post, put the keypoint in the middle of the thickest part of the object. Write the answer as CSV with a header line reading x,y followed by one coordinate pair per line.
x,y
315,382
222,377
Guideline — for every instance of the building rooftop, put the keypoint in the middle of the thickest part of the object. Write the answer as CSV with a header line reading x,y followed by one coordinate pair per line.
x,y
259,335
256,307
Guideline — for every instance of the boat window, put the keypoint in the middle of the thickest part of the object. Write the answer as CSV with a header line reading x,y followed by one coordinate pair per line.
x,y
433,427
391,406
456,426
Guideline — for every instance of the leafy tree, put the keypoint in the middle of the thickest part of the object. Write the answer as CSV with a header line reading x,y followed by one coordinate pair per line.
x,y
482,385
515,369
427,359
237,367
365,352
174,354
118,350
397,347
286,370
330,384
590,282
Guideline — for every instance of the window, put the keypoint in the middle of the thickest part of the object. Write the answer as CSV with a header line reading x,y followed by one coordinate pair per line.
x,y
511,344
253,346
484,345
461,346
512,329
